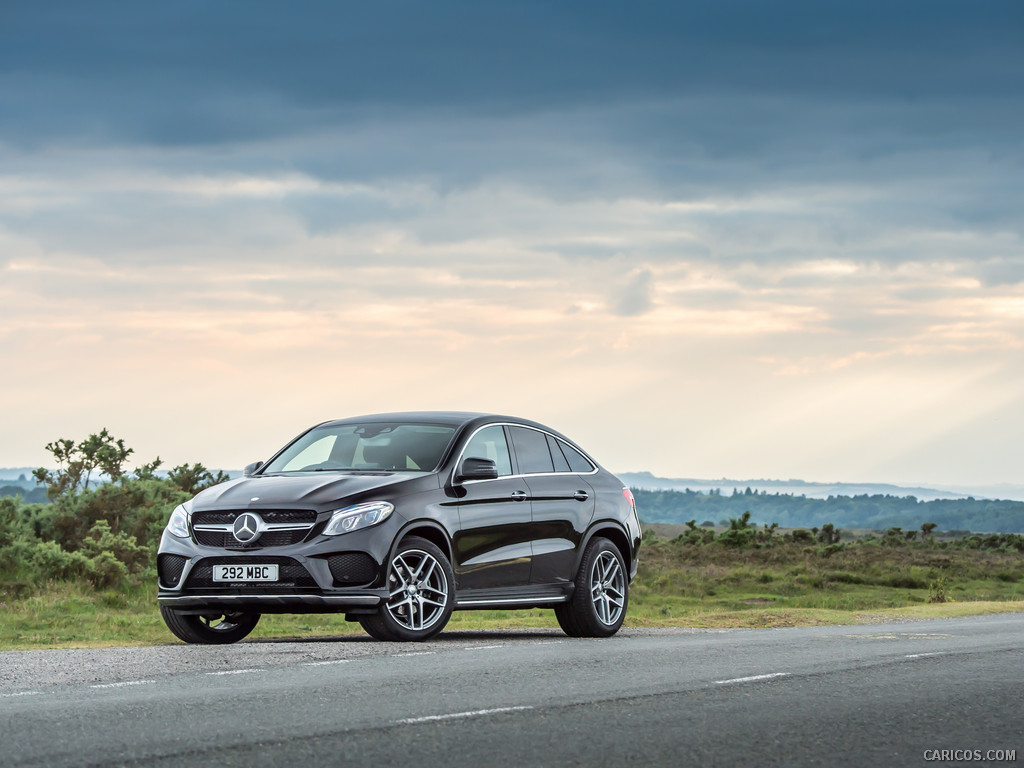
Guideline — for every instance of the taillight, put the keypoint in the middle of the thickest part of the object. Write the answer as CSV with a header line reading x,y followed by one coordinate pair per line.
x,y
629,497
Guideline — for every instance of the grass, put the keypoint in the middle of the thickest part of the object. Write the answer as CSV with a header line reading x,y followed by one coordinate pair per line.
x,y
677,585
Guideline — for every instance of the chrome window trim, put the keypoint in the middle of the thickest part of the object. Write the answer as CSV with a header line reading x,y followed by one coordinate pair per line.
x,y
462,455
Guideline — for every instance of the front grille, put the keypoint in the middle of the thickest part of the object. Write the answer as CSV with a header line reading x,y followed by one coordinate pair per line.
x,y
352,569
169,568
268,515
227,540
290,574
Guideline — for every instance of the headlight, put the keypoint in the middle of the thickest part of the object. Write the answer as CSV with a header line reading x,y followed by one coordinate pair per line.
x,y
178,524
359,516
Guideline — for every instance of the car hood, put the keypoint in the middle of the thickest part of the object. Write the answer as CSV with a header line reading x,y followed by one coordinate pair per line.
x,y
309,490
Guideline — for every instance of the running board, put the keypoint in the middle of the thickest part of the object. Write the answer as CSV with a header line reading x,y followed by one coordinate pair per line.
x,y
513,599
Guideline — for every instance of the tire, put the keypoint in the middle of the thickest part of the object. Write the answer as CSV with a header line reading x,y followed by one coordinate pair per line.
x,y
598,604
422,586
213,629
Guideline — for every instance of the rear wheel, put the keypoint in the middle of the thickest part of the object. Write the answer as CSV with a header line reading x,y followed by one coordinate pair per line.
x,y
421,587
598,604
209,629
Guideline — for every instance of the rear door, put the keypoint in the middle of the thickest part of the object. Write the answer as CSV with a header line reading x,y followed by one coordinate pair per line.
x,y
562,504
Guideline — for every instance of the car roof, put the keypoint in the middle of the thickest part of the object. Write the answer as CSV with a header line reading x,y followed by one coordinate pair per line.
x,y
446,418
442,418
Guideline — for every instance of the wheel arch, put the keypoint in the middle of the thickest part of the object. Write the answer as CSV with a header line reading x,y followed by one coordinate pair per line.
x,y
428,530
616,535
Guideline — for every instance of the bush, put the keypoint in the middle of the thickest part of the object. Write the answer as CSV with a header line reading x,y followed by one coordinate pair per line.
x,y
121,546
105,570
50,561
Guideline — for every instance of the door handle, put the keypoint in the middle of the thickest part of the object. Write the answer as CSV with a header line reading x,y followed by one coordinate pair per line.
x,y
581,495
518,495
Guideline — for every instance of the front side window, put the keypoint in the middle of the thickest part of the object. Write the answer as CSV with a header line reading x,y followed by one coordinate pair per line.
x,y
490,443
380,446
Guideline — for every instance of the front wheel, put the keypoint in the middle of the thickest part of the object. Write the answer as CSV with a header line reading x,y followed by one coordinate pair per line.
x,y
598,603
421,587
209,629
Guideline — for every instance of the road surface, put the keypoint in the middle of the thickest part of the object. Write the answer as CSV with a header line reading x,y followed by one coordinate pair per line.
x,y
884,694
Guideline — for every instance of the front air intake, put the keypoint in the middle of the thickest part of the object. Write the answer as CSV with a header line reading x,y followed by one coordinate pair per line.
x,y
352,569
169,568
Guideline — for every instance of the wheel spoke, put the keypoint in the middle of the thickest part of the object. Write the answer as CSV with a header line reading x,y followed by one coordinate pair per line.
x,y
430,572
416,575
398,571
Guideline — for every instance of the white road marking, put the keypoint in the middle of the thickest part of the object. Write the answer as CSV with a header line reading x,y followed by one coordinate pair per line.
x,y
325,663
752,678
923,655
476,713
122,685
414,653
482,647
19,693
233,672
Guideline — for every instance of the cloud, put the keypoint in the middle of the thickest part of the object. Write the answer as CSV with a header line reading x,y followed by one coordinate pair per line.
x,y
636,296
742,205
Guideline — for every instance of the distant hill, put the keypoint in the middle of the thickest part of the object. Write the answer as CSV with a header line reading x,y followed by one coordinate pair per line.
x,y
14,473
814,490
876,511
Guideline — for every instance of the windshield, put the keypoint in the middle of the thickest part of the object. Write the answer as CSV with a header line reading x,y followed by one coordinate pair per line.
x,y
380,446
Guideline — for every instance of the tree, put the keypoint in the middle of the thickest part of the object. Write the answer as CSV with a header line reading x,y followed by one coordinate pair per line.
x,y
926,530
148,471
76,463
193,478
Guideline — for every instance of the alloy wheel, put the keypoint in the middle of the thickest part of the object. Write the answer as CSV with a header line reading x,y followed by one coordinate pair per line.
x,y
607,588
418,590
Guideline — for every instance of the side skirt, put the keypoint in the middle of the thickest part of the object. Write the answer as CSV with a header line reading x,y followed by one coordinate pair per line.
x,y
539,596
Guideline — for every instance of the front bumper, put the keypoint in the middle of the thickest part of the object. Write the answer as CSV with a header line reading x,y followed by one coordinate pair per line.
x,y
309,587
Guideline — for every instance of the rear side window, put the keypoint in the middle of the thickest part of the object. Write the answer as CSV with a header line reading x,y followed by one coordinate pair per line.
x,y
577,461
489,443
531,450
561,465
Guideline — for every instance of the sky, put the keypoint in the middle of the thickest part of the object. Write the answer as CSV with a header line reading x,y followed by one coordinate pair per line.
x,y
738,239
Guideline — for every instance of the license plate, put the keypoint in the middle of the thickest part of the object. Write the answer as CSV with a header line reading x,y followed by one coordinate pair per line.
x,y
245,572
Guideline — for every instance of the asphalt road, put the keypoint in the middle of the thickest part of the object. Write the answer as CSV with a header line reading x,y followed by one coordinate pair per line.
x,y
886,694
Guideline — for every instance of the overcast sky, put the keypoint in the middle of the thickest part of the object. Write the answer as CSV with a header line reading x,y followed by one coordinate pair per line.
x,y
745,239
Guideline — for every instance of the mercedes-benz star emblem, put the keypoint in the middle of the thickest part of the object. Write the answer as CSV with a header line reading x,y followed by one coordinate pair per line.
x,y
246,527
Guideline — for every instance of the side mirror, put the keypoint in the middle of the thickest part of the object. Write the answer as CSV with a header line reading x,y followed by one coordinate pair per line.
x,y
476,469
250,469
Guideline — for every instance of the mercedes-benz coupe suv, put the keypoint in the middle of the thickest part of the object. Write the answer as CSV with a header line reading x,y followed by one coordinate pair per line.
x,y
398,519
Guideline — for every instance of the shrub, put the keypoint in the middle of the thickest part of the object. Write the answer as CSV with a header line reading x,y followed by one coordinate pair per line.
x,y
50,561
937,590
120,545
105,570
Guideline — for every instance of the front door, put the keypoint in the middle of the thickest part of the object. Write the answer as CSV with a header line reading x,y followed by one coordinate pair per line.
x,y
492,545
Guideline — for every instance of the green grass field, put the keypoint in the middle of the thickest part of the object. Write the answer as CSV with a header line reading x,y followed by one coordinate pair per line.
x,y
677,585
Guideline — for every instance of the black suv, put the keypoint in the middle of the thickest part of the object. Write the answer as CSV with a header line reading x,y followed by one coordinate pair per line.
x,y
398,519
